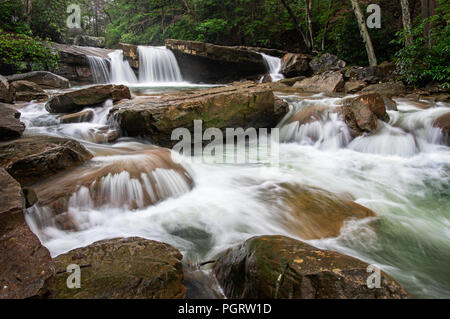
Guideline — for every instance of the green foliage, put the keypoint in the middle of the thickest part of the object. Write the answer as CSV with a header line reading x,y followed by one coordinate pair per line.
x,y
428,58
20,52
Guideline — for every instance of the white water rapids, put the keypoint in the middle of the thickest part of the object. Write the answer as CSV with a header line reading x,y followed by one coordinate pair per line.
x,y
402,173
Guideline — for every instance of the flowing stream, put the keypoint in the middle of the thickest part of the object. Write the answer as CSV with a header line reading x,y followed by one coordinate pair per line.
x,y
274,67
402,173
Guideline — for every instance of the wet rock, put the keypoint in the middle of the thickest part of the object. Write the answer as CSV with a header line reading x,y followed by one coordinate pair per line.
x,y
33,158
330,82
10,125
390,104
327,62
209,63
310,212
83,116
363,112
292,81
295,65
44,79
443,122
25,265
88,41
28,91
277,267
77,100
267,78
127,268
130,52
6,93
390,89
354,86
240,105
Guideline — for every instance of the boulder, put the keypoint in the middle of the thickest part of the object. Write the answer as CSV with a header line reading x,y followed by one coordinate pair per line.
x,y
33,158
124,268
443,122
329,82
240,105
25,265
88,41
326,62
267,78
310,212
6,93
389,89
28,91
77,100
354,86
293,65
363,112
130,52
44,79
209,63
390,104
292,81
10,125
277,267
83,116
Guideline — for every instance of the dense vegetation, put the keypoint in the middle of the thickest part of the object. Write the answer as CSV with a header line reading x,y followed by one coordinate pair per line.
x,y
294,25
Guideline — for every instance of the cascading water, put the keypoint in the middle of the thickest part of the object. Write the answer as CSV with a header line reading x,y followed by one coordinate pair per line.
x,y
274,67
121,72
100,69
158,64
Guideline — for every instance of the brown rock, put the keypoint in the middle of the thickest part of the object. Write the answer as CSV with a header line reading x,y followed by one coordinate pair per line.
x,y
277,267
295,65
330,82
443,122
127,268
354,86
30,159
28,91
292,81
6,93
10,125
84,116
130,52
327,62
77,100
43,79
389,89
25,265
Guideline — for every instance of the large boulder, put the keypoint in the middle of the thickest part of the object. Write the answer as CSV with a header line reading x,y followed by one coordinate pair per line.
x,y
127,268
443,122
310,212
277,267
33,158
6,93
44,79
354,86
88,41
77,100
25,265
363,112
10,125
241,105
209,63
131,53
389,89
28,91
326,62
330,82
293,65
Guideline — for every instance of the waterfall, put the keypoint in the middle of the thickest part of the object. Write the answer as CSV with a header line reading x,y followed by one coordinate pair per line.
x,y
100,69
158,64
121,71
274,67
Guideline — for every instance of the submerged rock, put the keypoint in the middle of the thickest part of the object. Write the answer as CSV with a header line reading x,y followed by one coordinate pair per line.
x,y
125,268
28,91
293,65
33,158
240,105
329,82
25,265
83,116
327,62
277,267
44,79
77,100
310,212
10,125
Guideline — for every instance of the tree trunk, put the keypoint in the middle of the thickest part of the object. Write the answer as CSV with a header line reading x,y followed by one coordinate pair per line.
x,y
364,33
326,27
428,10
297,25
308,7
406,22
